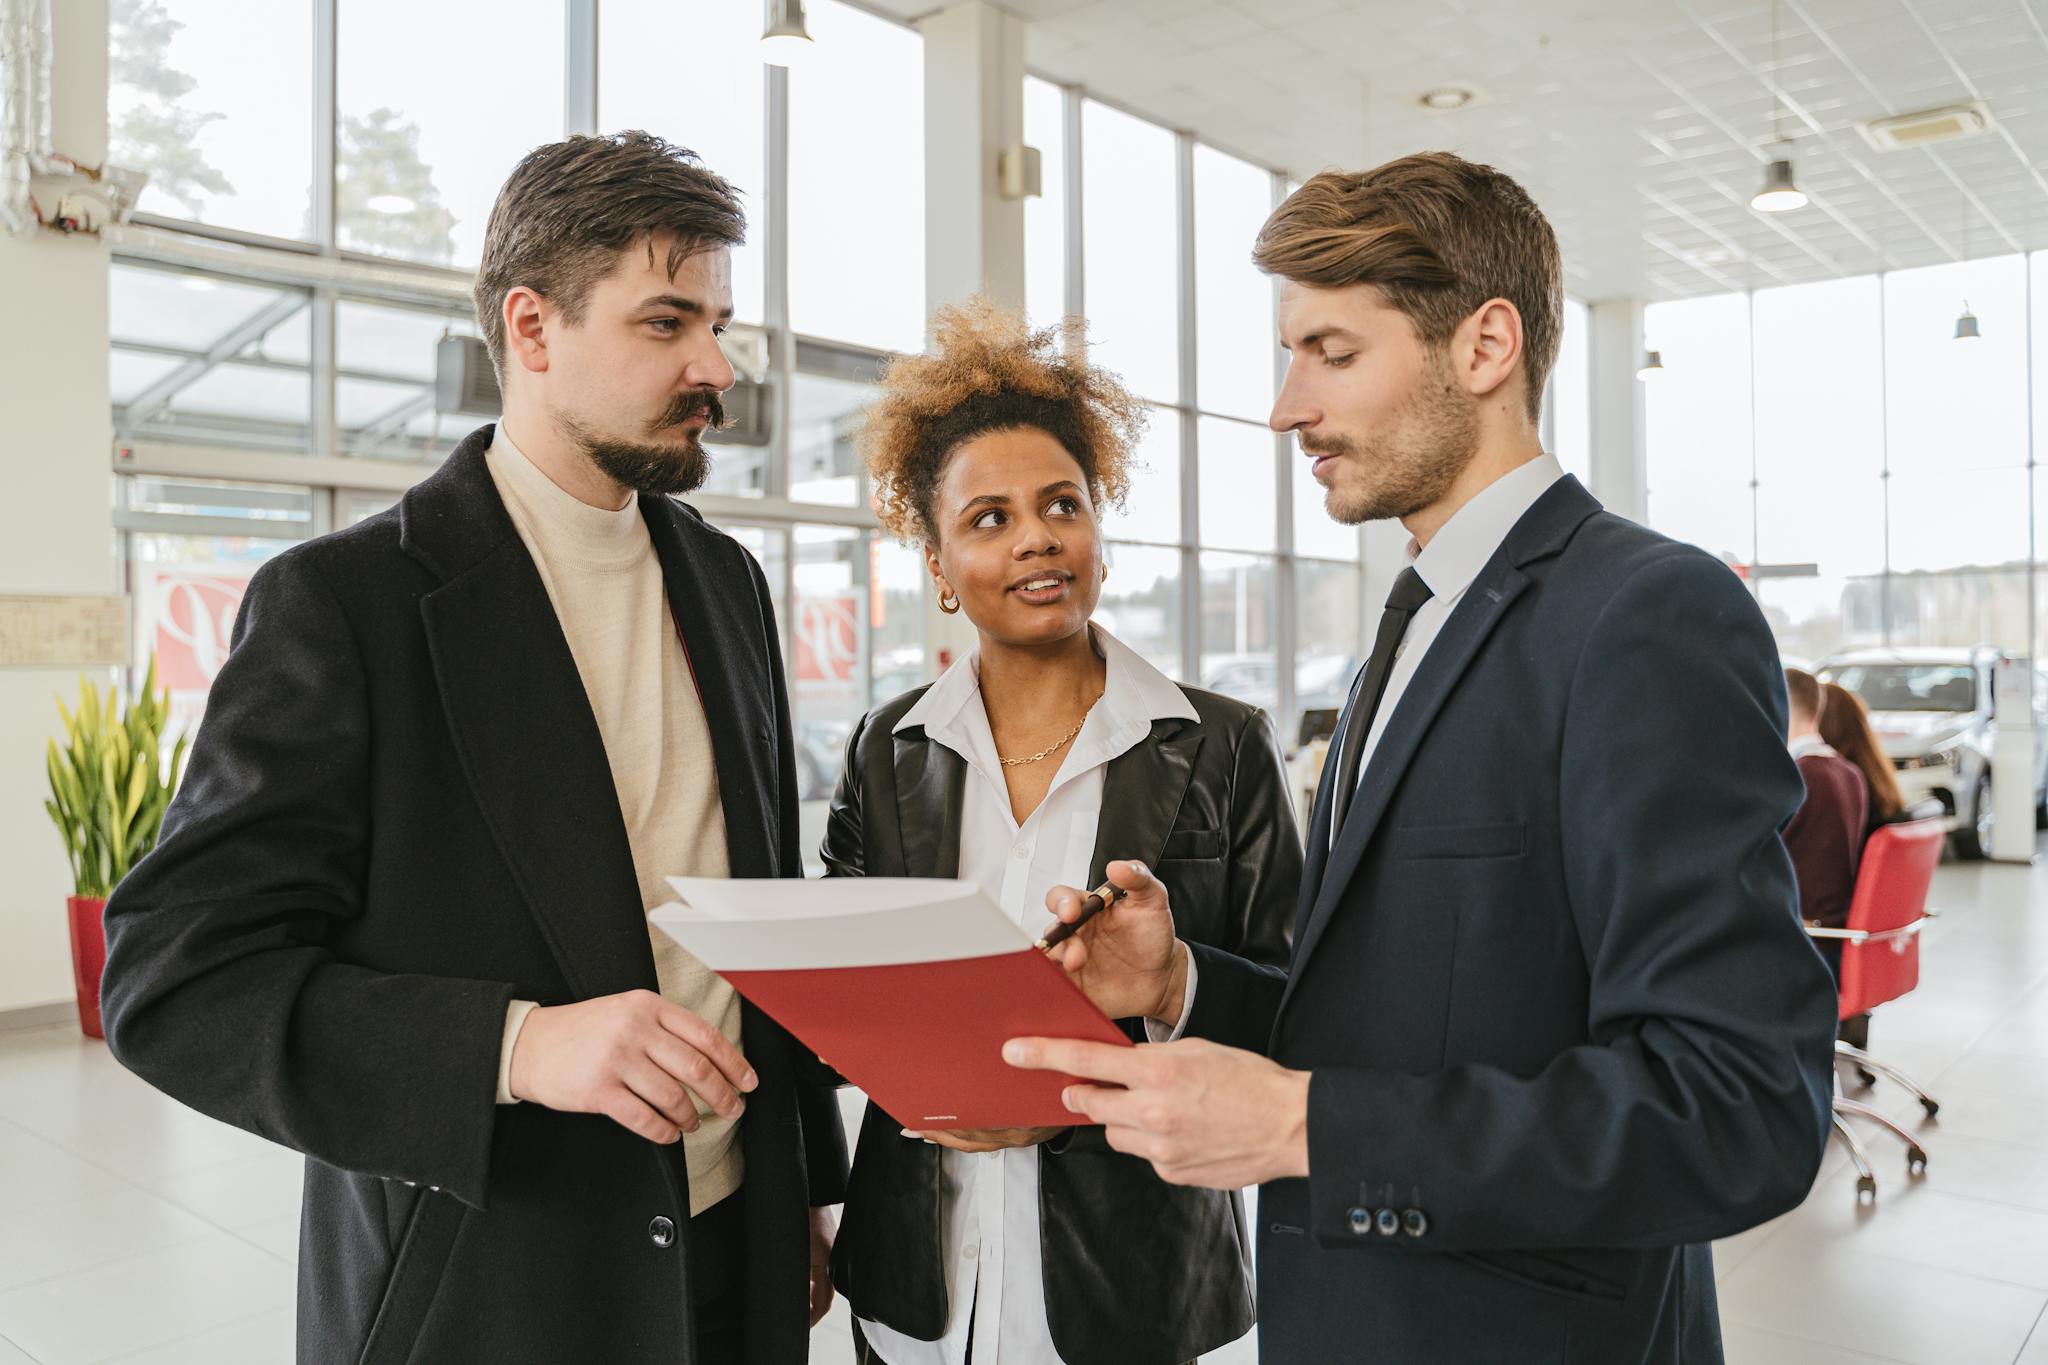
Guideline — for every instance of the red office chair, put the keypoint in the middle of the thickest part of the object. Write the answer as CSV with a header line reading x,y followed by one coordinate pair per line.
x,y
1881,962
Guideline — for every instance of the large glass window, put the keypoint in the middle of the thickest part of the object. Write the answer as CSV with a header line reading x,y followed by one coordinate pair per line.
x,y
825,419
384,395
716,110
419,157
211,98
185,588
1571,393
1151,509
1239,486
196,358
856,181
1329,636
1045,217
1951,406
1235,336
1240,640
1140,603
1131,243
1892,488
1699,424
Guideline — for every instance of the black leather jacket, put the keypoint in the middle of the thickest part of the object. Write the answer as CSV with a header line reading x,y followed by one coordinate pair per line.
x,y
1137,1272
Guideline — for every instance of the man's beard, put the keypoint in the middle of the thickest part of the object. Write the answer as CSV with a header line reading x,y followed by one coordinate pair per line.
x,y
1409,467
658,468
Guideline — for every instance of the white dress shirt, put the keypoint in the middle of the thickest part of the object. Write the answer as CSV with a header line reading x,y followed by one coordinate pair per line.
x,y
990,1200
1448,564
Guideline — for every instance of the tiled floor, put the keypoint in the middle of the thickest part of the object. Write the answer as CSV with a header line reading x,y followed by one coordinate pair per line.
x,y
134,1230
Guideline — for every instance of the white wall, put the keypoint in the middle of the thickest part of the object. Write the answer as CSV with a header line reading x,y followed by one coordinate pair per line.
x,y
56,495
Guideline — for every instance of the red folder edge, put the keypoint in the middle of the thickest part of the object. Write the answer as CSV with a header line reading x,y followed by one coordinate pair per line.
x,y
925,1039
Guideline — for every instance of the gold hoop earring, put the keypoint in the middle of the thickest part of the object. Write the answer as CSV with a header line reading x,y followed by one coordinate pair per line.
x,y
1105,573
946,598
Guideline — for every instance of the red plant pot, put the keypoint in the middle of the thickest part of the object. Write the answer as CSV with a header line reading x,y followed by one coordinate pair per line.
x,y
88,958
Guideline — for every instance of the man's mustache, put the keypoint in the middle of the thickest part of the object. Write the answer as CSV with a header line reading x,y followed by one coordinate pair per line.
x,y
683,406
1325,445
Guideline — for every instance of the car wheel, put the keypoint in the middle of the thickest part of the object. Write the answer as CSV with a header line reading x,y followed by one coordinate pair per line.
x,y
1973,840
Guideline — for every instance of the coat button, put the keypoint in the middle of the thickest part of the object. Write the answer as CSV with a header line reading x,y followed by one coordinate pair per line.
x,y
1387,1223
1415,1223
662,1232
1360,1220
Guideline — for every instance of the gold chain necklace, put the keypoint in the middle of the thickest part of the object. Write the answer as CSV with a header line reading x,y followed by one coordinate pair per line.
x,y
1043,754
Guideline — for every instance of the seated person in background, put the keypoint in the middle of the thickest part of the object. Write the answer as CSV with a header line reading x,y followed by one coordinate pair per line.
x,y
1845,728
1825,837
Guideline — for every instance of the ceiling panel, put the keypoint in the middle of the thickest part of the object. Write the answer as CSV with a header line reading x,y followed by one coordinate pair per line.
x,y
1641,126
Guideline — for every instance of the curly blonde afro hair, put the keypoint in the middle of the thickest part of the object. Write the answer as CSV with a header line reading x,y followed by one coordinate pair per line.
x,y
991,372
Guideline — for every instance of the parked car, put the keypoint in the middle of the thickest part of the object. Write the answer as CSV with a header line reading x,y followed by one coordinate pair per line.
x,y
1933,712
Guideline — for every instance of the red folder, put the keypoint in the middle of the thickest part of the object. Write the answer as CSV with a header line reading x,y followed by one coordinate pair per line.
x,y
908,987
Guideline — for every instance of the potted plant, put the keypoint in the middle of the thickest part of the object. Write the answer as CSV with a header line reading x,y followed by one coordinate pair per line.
x,y
108,794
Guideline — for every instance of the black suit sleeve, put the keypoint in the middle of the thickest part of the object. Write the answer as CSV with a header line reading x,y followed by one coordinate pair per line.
x,y
1238,986
1699,1106
220,987
1264,868
816,1084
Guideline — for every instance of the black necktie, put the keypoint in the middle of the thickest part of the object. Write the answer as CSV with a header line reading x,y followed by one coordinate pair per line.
x,y
1409,593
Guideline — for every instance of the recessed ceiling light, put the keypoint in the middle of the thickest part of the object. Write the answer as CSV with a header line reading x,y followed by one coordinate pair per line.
x,y
1445,97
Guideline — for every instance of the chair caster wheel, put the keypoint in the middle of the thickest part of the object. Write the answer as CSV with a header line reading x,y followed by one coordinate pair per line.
x,y
1866,1189
1864,1078
1931,1107
1916,1161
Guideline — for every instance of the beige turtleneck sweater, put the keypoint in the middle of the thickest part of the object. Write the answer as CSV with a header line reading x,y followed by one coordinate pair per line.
x,y
605,582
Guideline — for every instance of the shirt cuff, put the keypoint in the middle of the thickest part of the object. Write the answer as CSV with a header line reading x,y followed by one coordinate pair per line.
x,y
515,1019
1155,1030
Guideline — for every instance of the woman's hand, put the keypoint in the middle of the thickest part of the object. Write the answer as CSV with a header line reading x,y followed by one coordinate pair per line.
x,y
1126,959
985,1139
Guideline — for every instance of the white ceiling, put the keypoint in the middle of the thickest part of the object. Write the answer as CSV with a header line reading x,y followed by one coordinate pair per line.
x,y
1641,126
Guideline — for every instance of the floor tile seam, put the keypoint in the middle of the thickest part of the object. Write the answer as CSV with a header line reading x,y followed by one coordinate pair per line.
x,y
1906,1265
183,1240
2039,1319
131,1181
188,1336
1810,1341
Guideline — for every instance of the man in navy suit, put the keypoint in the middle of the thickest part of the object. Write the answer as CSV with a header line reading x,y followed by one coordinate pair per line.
x,y
1551,1024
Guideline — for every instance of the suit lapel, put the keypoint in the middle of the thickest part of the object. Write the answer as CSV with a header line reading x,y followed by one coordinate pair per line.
x,y
1545,529
1484,603
931,783
716,607
523,728
1141,795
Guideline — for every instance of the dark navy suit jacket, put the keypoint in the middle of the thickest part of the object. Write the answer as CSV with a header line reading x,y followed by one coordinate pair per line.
x,y
1564,1026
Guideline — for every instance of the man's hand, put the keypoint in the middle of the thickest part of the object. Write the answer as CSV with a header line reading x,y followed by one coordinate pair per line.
x,y
635,1058
823,1228
985,1139
1200,1113
1126,959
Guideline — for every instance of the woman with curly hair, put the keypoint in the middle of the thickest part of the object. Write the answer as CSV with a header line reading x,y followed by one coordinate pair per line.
x,y
1033,762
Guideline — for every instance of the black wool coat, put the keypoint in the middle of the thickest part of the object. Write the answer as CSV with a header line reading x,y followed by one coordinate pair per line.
x,y
399,817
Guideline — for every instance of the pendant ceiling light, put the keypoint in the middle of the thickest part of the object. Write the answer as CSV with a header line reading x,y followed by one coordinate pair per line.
x,y
1653,365
1779,194
784,38
1966,321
